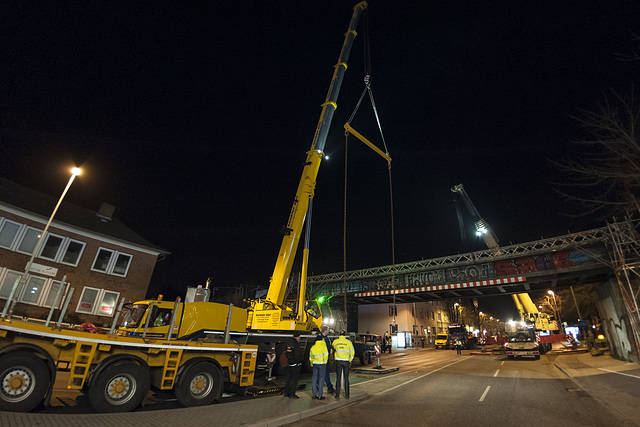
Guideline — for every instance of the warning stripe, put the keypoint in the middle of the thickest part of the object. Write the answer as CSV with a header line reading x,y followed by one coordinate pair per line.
x,y
444,287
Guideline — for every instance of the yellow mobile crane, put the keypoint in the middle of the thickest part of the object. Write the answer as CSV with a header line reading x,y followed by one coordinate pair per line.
x,y
268,322
271,314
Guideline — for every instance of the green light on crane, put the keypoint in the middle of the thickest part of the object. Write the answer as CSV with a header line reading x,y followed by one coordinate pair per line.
x,y
320,299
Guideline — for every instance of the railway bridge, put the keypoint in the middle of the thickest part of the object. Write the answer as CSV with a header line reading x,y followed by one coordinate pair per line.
x,y
591,256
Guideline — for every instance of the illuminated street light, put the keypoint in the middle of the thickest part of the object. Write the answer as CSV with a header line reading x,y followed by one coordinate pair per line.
x,y
21,281
555,308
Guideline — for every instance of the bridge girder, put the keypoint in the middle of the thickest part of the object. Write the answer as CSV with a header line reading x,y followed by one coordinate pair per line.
x,y
556,262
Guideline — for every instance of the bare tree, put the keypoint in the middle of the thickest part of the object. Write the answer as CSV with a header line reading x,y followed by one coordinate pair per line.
x,y
451,306
634,54
606,170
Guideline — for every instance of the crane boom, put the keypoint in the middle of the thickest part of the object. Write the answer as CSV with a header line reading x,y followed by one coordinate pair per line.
x,y
526,308
272,306
483,229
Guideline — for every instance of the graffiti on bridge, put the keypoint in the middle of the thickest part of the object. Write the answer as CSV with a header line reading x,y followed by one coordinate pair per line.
x,y
485,271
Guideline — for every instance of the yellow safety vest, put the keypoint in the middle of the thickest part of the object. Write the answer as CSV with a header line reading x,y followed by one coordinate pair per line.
x,y
318,354
344,349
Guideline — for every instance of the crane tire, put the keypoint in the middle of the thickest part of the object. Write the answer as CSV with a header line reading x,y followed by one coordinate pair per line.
x,y
120,387
24,381
200,384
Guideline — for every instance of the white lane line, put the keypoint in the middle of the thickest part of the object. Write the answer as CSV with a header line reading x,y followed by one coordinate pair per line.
x,y
421,376
496,374
486,390
619,373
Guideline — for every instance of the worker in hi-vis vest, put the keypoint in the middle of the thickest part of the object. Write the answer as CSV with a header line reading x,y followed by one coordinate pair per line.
x,y
318,356
344,353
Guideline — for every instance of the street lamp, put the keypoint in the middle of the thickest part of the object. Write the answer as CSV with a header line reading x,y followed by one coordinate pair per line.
x,y
555,308
21,281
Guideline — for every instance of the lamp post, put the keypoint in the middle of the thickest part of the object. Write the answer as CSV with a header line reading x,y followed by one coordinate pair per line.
x,y
21,281
555,308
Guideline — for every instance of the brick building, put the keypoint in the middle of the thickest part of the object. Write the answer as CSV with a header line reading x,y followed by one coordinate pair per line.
x,y
103,260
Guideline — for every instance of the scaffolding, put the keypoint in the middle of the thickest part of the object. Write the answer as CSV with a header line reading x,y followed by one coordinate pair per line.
x,y
624,252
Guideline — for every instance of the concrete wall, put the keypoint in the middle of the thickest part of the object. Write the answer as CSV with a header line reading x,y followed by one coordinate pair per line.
x,y
615,322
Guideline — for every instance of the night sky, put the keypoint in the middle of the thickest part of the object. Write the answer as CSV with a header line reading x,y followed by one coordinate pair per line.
x,y
194,120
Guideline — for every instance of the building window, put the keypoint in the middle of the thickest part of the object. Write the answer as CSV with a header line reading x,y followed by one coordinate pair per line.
x,y
123,261
8,232
61,249
53,293
33,290
87,300
72,253
108,303
97,301
101,262
51,247
19,237
112,262
8,280
29,240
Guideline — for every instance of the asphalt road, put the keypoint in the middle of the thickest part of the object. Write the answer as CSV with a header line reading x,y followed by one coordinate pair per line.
x,y
438,387
441,388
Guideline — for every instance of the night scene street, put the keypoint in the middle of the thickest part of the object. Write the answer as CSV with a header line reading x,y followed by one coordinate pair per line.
x,y
195,197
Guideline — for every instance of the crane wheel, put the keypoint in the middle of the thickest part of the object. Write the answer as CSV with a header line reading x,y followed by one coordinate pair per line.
x,y
200,384
24,381
120,387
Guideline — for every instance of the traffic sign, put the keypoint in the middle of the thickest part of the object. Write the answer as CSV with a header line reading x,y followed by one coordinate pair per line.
x,y
271,357
377,347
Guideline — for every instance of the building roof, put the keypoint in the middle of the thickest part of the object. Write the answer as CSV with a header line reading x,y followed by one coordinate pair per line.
x,y
37,203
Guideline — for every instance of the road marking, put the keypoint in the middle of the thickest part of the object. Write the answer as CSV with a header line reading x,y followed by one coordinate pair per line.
x,y
422,376
486,390
502,363
619,373
496,374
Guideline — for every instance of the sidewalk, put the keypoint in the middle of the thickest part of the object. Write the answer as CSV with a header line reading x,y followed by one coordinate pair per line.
x,y
259,412
611,382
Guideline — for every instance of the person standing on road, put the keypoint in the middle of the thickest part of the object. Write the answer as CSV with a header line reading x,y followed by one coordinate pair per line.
x,y
294,359
458,346
344,353
327,341
318,356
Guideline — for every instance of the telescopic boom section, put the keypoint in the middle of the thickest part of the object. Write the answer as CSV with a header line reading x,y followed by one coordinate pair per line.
x,y
482,227
306,187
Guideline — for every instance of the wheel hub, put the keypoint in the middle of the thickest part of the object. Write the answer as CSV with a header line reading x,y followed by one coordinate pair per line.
x,y
16,382
198,384
118,388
